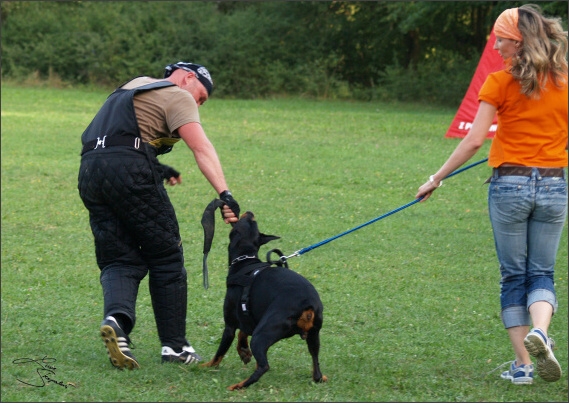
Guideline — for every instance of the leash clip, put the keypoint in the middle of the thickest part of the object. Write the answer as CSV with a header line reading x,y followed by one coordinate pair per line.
x,y
293,255
100,142
282,261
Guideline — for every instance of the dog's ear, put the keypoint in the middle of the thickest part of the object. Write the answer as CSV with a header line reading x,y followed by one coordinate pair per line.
x,y
263,239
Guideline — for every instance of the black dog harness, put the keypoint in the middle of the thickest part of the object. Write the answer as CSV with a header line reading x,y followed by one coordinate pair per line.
x,y
245,276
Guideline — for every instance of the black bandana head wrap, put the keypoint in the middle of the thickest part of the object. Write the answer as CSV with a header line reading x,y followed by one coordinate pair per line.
x,y
200,71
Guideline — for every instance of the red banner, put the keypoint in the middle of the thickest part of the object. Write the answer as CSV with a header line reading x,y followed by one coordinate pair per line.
x,y
489,62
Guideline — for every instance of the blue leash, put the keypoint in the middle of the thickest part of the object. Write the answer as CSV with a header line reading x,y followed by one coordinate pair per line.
x,y
316,245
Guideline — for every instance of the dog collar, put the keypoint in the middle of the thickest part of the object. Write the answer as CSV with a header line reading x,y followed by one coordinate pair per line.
x,y
241,258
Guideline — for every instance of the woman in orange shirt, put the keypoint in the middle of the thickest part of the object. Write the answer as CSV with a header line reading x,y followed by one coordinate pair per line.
x,y
527,197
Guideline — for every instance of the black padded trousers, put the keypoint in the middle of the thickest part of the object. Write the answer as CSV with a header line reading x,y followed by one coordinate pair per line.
x,y
136,232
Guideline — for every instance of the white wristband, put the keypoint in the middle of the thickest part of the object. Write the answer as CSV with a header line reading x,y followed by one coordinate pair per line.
x,y
432,180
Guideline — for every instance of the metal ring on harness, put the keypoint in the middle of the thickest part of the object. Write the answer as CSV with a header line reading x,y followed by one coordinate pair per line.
x,y
282,260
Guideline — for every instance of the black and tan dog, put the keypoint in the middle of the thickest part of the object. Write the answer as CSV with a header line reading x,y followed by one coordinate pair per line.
x,y
266,301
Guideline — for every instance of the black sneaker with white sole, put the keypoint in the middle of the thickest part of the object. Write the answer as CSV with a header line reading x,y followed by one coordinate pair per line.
x,y
117,344
187,356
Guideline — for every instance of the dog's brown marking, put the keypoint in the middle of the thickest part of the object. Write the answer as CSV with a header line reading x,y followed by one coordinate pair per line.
x,y
237,385
305,322
247,213
242,384
243,347
212,363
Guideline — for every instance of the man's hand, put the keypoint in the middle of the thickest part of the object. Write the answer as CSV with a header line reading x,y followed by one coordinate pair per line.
x,y
230,211
170,175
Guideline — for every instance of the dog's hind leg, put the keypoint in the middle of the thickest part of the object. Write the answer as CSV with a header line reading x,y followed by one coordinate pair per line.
x,y
226,340
260,353
243,347
313,342
263,338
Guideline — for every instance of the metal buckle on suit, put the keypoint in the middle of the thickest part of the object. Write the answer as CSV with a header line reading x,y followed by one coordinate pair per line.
x,y
137,142
100,142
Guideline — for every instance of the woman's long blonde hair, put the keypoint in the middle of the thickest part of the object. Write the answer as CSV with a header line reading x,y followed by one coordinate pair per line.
x,y
543,54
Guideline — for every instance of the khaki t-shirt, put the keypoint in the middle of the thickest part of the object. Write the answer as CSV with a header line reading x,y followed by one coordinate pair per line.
x,y
161,112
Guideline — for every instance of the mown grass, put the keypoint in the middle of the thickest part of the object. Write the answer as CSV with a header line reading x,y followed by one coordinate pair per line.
x,y
411,301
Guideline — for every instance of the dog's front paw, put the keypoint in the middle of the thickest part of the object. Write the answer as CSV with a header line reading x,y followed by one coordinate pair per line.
x,y
245,354
213,363
237,386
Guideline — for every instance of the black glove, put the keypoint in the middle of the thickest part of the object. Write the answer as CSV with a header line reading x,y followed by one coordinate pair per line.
x,y
227,198
168,172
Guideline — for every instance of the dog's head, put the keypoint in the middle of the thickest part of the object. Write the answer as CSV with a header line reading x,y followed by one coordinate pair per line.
x,y
245,237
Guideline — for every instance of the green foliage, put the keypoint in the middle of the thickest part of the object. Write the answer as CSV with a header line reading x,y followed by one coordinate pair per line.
x,y
256,49
441,79
411,306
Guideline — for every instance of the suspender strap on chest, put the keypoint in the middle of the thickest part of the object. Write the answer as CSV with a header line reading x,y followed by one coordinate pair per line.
x,y
115,124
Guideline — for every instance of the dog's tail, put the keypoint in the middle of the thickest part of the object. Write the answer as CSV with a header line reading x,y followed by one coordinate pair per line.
x,y
208,224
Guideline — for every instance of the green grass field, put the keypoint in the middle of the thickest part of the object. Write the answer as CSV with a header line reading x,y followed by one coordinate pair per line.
x,y
411,302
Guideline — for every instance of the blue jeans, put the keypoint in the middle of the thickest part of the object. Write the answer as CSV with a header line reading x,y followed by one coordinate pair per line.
x,y
527,215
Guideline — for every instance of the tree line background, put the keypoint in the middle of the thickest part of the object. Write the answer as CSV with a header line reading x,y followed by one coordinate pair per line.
x,y
424,51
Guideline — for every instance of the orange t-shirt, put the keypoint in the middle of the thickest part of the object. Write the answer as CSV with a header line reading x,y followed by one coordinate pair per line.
x,y
531,132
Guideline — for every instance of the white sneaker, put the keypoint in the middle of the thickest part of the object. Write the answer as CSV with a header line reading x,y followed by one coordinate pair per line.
x,y
540,346
522,375
187,356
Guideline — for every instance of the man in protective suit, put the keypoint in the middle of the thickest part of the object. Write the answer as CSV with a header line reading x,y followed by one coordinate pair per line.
x,y
121,183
